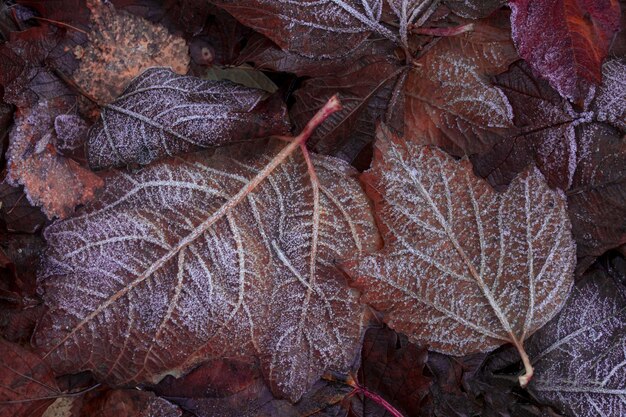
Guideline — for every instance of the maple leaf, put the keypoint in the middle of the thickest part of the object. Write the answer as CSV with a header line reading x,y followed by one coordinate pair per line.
x,y
162,114
464,269
27,385
210,256
569,55
579,356
121,46
449,101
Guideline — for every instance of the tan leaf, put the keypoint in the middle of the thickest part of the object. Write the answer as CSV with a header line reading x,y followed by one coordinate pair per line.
x,y
120,47
211,256
51,181
449,100
464,269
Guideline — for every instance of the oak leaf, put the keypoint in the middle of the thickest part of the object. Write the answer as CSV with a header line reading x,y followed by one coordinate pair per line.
x,y
464,269
565,40
579,356
207,256
164,114
120,47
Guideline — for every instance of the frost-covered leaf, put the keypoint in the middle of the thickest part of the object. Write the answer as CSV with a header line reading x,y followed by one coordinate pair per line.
x,y
565,41
365,88
27,385
544,132
474,9
609,104
210,256
327,28
163,114
464,269
579,356
597,198
121,46
449,99
123,403
51,181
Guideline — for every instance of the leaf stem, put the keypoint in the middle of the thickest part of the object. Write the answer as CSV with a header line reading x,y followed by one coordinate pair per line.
x,y
359,389
331,106
528,367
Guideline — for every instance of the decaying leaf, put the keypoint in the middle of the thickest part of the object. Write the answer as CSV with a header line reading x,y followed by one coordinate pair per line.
x,y
52,182
120,47
449,100
163,114
464,269
393,368
16,212
579,356
474,9
243,74
210,256
27,385
565,40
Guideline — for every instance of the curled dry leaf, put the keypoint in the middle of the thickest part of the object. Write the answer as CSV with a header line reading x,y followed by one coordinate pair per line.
x,y
211,256
449,100
27,385
120,47
569,54
52,182
163,114
579,356
464,269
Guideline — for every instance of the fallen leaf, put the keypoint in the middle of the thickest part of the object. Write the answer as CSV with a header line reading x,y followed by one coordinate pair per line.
x,y
120,47
244,75
579,356
328,28
474,9
544,132
464,269
16,212
211,256
565,41
449,99
125,403
235,387
393,368
597,198
27,385
163,114
52,182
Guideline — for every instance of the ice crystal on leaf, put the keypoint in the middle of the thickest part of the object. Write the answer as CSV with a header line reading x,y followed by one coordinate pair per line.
x,y
164,114
206,256
463,269
579,356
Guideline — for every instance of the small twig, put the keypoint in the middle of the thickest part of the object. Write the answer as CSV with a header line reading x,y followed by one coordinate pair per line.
x,y
449,31
56,22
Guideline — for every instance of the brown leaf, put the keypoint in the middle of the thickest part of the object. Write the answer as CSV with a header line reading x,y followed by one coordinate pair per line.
x,y
464,269
393,368
449,100
235,387
16,212
579,356
27,385
211,256
474,9
52,182
565,40
121,46
163,114
545,132
311,28
597,199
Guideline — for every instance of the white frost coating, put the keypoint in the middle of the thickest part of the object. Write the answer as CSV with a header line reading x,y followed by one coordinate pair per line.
x,y
144,283
326,28
608,105
164,114
464,269
580,356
